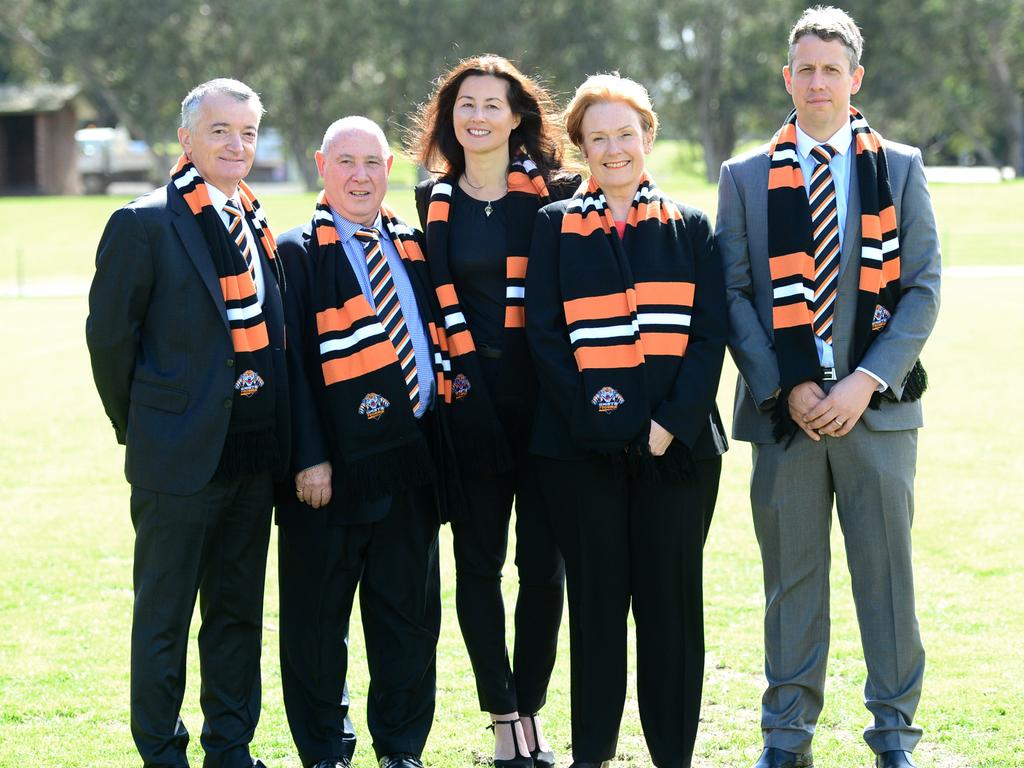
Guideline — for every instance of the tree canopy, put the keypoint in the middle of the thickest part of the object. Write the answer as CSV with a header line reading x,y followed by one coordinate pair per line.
x,y
947,76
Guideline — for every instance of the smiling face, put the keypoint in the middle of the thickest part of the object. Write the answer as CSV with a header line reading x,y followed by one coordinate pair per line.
x,y
482,117
615,144
223,142
355,169
821,82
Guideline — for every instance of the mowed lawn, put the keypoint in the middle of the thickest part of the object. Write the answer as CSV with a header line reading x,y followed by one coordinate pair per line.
x,y
66,542
54,238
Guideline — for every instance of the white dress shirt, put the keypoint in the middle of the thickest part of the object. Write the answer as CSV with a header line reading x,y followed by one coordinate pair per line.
x,y
218,199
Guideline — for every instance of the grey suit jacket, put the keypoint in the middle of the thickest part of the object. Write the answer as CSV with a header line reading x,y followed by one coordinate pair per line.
x,y
742,239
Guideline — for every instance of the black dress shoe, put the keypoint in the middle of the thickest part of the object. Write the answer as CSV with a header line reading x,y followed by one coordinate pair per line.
x,y
334,762
578,764
773,757
895,758
401,760
541,758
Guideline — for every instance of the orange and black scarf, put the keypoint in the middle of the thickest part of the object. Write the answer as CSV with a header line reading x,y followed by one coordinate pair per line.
x,y
480,440
791,262
251,444
382,450
621,313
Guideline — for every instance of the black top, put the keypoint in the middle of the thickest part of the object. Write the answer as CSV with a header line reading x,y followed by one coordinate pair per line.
x,y
478,246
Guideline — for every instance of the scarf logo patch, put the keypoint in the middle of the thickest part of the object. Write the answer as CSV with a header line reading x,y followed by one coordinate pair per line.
x,y
461,386
881,317
373,406
607,400
249,383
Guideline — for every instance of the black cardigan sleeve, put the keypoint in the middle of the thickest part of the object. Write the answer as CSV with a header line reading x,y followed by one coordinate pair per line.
x,y
692,398
546,329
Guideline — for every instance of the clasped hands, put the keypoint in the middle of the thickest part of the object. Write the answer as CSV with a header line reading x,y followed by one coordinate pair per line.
x,y
313,485
834,414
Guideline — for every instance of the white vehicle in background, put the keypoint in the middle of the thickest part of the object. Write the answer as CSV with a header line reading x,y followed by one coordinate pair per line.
x,y
106,155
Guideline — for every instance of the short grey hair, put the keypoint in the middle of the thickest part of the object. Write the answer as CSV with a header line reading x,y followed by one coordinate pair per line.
x,y
354,123
236,89
829,23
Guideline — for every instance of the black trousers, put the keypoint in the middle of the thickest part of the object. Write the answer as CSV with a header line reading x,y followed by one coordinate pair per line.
x,y
480,544
214,544
395,565
626,542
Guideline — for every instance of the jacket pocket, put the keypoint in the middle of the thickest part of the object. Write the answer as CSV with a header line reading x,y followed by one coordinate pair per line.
x,y
158,396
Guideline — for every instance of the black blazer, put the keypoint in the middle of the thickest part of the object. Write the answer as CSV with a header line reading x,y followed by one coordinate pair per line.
x,y
312,442
160,344
692,416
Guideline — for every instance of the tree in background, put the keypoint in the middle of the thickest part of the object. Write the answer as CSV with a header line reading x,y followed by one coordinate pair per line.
x,y
952,70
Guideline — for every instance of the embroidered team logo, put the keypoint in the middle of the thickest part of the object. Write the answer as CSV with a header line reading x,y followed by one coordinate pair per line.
x,y
607,399
373,406
248,383
881,317
461,386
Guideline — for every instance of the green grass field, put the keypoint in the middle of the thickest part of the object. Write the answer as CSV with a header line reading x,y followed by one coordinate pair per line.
x,y
66,543
54,238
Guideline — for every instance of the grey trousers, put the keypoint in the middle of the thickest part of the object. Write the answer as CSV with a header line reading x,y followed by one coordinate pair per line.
x,y
870,476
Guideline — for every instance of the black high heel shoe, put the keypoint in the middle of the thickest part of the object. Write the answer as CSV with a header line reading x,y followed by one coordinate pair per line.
x,y
541,759
520,760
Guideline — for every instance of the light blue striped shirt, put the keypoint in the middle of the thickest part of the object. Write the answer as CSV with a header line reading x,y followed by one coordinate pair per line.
x,y
406,296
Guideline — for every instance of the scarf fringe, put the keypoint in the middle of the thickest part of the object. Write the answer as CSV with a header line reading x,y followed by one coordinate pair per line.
x,y
388,472
250,453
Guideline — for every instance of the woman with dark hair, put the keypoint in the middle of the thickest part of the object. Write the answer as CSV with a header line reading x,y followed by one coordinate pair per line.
x,y
627,322
487,134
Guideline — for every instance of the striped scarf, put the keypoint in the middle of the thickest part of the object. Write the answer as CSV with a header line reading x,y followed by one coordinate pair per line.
x,y
791,263
251,445
382,450
616,323
480,440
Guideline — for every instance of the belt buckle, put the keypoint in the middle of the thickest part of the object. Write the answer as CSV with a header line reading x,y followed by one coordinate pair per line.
x,y
829,374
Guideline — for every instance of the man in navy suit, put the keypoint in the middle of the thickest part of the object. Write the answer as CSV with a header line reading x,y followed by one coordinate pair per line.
x,y
185,298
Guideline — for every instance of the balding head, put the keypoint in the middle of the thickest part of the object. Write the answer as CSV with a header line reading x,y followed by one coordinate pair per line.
x,y
355,123
355,161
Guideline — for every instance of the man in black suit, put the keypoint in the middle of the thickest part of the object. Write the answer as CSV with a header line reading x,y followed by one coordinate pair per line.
x,y
362,509
186,336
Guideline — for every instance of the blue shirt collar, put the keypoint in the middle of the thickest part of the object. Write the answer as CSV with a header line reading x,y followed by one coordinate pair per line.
x,y
347,229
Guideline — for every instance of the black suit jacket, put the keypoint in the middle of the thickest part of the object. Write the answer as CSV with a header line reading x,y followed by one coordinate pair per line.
x,y
688,411
312,442
161,348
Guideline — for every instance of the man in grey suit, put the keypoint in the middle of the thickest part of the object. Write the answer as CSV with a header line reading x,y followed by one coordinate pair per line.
x,y
832,272
186,339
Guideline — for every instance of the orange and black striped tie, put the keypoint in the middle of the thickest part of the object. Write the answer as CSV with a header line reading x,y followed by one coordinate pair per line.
x,y
821,197
389,310
237,232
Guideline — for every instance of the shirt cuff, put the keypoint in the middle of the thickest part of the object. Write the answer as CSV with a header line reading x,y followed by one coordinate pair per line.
x,y
882,386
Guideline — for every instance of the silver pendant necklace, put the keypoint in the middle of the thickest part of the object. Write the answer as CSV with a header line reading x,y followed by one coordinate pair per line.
x,y
488,210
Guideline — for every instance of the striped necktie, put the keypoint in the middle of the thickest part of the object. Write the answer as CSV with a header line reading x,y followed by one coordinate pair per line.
x,y
821,197
237,233
389,310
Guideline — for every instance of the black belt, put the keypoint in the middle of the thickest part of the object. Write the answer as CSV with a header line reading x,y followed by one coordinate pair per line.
x,y
491,353
829,374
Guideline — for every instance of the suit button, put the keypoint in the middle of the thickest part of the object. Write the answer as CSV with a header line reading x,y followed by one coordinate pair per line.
x,y
230,362
227,402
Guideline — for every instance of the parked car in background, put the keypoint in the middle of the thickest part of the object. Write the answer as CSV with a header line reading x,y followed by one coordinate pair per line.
x,y
106,155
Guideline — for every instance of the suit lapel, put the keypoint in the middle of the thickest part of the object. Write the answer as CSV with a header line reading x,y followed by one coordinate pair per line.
x,y
196,248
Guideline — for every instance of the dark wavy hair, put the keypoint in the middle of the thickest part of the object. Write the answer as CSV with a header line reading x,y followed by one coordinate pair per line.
x,y
432,141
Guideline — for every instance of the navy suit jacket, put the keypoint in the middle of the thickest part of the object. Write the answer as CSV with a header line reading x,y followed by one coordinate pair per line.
x,y
160,344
